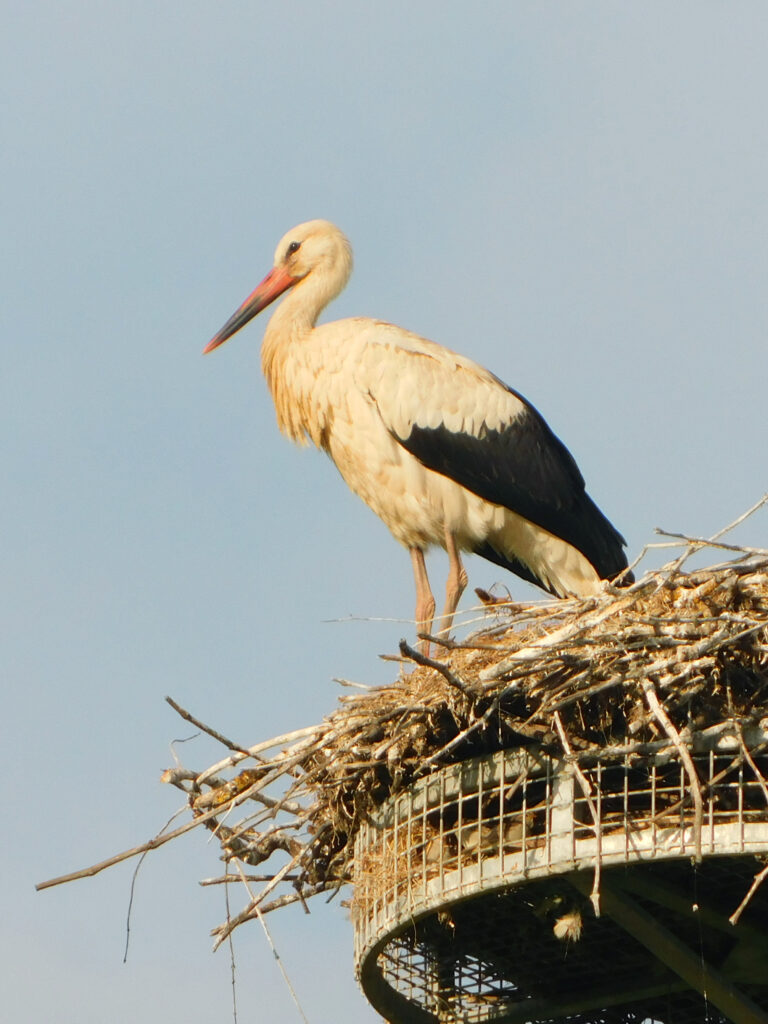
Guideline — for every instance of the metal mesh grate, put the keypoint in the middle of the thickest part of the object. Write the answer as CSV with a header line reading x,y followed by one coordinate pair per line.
x,y
498,955
462,880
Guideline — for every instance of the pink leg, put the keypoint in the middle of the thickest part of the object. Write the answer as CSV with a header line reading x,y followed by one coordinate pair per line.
x,y
425,601
457,581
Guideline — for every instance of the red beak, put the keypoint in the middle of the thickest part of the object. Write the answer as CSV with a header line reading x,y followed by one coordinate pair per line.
x,y
274,284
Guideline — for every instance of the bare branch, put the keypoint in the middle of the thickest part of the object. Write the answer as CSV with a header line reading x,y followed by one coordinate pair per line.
x,y
205,728
663,719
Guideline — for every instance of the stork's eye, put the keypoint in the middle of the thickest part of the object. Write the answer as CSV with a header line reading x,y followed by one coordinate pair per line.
x,y
293,247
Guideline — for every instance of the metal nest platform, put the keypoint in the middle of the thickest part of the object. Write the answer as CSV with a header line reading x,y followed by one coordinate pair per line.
x,y
478,889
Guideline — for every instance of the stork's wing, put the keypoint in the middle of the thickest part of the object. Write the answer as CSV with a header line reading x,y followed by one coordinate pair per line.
x,y
467,425
527,469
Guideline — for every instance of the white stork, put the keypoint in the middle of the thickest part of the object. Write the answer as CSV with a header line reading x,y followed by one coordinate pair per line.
x,y
441,450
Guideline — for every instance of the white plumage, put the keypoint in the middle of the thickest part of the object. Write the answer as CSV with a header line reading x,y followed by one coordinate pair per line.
x,y
441,450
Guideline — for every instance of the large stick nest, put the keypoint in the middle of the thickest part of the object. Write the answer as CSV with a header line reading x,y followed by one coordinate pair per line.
x,y
675,653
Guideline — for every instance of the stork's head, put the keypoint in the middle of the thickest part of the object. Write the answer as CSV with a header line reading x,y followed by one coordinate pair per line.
x,y
316,250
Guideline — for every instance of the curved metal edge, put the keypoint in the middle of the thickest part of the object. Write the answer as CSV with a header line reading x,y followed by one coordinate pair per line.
x,y
446,898
383,998
398,1009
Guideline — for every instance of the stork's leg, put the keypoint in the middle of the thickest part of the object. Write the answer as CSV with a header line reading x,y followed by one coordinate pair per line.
x,y
425,601
457,581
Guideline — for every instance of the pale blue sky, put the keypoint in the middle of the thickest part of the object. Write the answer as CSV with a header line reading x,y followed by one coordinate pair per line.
x,y
572,193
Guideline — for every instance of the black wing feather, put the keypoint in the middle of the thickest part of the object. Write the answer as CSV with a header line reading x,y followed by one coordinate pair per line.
x,y
526,468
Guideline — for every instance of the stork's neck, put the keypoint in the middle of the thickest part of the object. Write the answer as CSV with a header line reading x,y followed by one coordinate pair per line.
x,y
298,312
284,340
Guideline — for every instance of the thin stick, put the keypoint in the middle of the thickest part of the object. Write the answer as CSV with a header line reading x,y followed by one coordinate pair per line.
x,y
457,740
298,896
750,760
706,542
757,881
159,840
130,907
350,684
311,732
232,967
745,515
445,672
594,896
663,719
274,952
205,728
252,910
696,544
228,878
153,844
133,889
280,964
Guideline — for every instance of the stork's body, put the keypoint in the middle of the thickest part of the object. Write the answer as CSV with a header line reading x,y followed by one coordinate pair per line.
x,y
441,450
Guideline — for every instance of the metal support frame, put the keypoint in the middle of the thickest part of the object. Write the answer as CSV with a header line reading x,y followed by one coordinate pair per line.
x,y
670,950
508,828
